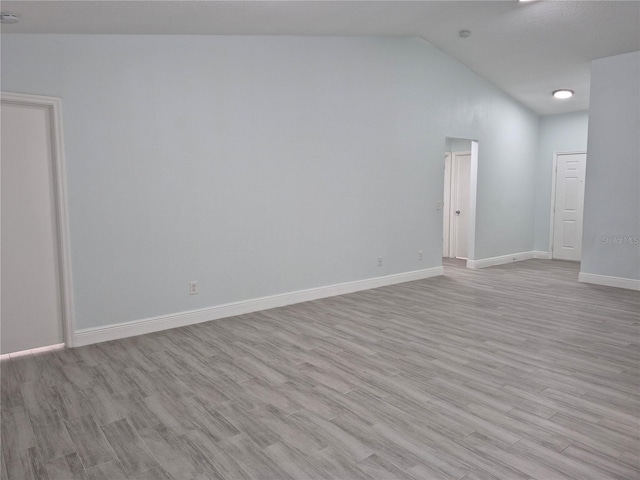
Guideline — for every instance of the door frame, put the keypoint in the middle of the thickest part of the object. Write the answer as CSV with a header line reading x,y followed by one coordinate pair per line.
x,y
53,105
473,198
554,177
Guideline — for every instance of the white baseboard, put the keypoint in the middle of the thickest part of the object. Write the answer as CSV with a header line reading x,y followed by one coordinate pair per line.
x,y
32,351
148,325
542,255
619,282
501,260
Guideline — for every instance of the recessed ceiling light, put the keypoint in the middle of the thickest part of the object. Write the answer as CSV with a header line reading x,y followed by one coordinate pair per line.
x,y
563,94
8,18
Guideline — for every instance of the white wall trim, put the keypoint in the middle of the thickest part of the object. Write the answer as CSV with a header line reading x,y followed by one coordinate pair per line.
x,y
542,255
164,322
473,199
501,260
33,351
619,282
54,107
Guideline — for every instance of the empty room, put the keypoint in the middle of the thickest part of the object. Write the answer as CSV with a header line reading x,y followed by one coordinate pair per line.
x,y
338,240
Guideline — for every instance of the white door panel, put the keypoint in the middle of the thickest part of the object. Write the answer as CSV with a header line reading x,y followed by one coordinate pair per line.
x,y
460,208
568,210
446,210
31,293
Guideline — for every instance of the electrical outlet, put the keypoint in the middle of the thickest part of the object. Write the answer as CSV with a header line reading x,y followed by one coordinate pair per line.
x,y
193,288
419,254
379,261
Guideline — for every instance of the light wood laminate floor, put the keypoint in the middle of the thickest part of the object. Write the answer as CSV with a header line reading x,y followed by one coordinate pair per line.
x,y
511,372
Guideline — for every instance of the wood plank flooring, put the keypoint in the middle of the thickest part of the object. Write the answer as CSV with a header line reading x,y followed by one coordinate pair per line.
x,y
511,372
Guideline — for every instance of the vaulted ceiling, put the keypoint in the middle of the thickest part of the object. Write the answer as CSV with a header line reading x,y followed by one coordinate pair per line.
x,y
528,49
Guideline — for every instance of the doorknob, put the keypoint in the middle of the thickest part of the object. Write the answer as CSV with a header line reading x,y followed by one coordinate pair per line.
x,y
457,212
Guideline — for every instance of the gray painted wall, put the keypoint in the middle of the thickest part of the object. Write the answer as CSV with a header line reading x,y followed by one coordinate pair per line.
x,y
458,145
612,185
558,133
265,165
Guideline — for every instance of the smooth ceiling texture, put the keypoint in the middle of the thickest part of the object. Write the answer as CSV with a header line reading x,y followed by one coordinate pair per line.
x,y
528,49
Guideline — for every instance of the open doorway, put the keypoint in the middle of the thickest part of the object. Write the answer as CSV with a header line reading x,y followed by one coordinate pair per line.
x,y
459,202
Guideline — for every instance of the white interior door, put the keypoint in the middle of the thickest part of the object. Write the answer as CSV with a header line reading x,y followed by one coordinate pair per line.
x,y
461,185
569,203
31,312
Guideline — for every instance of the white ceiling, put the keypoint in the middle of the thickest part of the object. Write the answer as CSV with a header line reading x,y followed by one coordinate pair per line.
x,y
526,49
